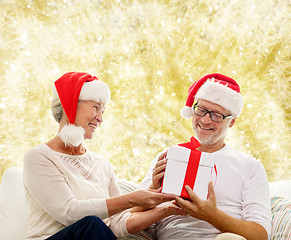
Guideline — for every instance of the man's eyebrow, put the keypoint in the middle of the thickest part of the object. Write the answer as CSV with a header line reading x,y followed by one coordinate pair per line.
x,y
214,111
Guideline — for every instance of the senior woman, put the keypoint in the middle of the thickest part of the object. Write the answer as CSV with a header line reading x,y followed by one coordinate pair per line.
x,y
72,192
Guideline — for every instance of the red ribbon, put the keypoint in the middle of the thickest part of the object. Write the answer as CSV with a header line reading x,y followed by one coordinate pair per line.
x,y
193,144
191,172
192,167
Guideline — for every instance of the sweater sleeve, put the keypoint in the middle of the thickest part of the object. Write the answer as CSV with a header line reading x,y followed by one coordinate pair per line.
x,y
49,188
256,197
118,221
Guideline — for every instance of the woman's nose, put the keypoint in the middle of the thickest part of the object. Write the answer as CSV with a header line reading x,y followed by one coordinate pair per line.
x,y
99,117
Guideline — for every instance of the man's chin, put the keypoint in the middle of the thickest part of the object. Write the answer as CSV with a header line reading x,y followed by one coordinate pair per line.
x,y
205,140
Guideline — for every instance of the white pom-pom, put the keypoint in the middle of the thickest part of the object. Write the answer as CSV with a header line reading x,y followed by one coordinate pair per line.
x,y
187,112
72,135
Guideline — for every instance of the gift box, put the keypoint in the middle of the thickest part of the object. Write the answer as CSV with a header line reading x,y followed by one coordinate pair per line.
x,y
187,167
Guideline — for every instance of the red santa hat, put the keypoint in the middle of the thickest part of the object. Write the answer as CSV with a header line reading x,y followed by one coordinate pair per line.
x,y
216,88
72,87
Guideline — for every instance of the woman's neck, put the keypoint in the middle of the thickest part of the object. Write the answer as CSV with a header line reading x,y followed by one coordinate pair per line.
x,y
57,145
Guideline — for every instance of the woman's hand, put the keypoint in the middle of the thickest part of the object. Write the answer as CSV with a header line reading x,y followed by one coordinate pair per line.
x,y
141,220
159,171
147,199
139,200
171,208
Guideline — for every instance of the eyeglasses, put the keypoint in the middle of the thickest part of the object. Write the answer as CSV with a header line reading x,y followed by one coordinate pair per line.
x,y
214,116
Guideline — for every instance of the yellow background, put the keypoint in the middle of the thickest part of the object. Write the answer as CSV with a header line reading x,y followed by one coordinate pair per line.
x,y
149,53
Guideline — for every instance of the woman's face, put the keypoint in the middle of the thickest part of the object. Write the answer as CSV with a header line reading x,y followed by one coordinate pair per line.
x,y
89,116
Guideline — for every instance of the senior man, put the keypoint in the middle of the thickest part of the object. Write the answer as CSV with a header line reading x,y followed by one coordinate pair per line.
x,y
238,203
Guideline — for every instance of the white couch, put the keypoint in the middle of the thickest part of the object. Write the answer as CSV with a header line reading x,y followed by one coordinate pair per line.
x,y
14,213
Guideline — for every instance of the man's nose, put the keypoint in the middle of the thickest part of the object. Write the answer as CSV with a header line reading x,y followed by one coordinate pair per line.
x,y
206,118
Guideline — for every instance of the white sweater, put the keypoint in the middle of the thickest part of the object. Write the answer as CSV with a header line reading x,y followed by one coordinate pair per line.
x,y
61,189
241,189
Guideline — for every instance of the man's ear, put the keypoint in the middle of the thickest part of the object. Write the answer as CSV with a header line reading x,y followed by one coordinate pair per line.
x,y
232,122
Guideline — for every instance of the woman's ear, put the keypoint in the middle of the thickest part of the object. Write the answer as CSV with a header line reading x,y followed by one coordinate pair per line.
x,y
64,119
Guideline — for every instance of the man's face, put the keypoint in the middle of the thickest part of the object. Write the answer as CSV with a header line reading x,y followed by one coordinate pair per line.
x,y
207,131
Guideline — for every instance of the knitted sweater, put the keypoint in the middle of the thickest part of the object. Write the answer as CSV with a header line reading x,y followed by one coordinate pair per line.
x,y
61,189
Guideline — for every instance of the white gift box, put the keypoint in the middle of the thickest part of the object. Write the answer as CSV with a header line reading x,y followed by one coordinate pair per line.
x,y
187,167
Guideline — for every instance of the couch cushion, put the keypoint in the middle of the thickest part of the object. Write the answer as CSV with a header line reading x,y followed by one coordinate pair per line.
x,y
13,208
281,188
281,218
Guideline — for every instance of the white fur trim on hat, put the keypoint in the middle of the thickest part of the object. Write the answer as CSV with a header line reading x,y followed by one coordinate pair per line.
x,y
96,91
72,135
187,112
222,95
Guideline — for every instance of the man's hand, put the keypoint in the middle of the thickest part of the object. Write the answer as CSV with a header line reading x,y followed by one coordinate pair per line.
x,y
198,208
208,211
159,171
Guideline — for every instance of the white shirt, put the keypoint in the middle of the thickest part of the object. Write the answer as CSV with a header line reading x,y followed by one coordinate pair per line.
x,y
241,190
61,189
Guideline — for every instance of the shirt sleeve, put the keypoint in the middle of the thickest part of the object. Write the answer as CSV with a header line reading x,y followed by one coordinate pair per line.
x,y
50,190
256,196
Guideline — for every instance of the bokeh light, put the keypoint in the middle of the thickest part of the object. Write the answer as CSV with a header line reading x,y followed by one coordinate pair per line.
x,y
149,53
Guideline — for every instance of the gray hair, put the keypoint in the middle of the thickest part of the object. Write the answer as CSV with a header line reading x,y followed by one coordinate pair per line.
x,y
57,109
